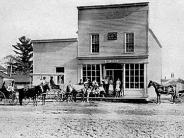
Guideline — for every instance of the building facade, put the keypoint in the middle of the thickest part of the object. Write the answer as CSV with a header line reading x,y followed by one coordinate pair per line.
x,y
114,41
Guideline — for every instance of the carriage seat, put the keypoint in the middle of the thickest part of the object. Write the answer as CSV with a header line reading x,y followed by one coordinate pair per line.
x,y
55,86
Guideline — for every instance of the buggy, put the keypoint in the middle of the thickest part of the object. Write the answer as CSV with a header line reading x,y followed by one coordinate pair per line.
x,y
8,94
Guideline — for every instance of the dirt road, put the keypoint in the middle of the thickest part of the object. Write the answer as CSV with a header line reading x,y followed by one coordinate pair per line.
x,y
96,119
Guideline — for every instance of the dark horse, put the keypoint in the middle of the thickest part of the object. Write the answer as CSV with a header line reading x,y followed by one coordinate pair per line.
x,y
71,93
160,89
32,93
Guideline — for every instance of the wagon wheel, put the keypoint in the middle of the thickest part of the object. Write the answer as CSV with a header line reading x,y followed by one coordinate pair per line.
x,y
25,101
2,98
180,98
58,96
13,100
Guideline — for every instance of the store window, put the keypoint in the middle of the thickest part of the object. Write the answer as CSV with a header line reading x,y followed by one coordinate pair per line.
x,y
91,71
134,76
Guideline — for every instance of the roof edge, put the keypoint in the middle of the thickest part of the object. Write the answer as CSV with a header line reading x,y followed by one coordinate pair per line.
x,y
113,57
156,39
113,6
55,40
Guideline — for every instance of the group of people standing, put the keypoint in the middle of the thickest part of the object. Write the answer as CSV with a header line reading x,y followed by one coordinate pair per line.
x,y
110,87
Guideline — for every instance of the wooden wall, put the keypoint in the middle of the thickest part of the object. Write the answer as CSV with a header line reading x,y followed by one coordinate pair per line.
x,y
120,20
48,56
155,63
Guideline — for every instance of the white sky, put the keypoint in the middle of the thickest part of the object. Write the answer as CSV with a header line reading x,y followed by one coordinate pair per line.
x,y
44,19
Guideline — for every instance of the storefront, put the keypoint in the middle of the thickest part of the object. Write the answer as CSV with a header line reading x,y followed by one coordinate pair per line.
x,y
131,71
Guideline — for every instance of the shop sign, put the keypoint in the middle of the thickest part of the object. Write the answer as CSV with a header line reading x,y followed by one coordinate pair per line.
x,y
112,61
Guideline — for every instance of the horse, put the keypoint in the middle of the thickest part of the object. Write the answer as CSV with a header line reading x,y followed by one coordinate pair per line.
x,y
72,91
98,91
181,93
30,93
160,89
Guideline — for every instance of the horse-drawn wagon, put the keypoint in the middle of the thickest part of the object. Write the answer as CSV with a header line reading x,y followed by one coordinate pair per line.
x,y
8,93
173,87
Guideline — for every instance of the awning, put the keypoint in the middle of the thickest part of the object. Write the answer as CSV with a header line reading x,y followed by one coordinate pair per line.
x,y
48,74
113,59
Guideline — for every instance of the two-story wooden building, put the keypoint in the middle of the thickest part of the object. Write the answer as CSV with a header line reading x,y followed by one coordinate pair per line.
x,y
113,41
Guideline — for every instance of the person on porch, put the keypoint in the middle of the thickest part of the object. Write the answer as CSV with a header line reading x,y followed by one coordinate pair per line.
x,y
106,85
117,89
111,87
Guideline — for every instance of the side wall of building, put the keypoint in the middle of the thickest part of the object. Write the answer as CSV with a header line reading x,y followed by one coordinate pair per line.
x,y
155,63
121,20
48,56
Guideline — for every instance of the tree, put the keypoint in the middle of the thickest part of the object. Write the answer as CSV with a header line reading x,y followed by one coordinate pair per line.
x,y
9,62
24,54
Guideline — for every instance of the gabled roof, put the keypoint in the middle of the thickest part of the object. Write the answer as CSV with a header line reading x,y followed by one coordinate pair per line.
x,y
156,39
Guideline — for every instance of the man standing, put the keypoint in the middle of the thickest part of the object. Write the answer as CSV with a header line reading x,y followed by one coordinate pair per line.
x,y
106,84
87,88
43,83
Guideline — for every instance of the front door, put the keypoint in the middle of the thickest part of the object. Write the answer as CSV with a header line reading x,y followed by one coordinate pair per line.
x,y
114,71
118,74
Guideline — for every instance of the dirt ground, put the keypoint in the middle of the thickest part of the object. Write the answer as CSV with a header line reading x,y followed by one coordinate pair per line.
x,y
94,119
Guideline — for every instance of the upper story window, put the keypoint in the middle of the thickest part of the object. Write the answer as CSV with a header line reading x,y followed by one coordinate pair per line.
x,y
95,43
129,42
59,69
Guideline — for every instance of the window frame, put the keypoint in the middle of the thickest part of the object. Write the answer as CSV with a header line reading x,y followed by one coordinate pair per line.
x,y
60,68
125,42
88,69
91,45
133,74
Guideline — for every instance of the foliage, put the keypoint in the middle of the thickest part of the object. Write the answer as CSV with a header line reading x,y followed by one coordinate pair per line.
x,y
9,62
24,54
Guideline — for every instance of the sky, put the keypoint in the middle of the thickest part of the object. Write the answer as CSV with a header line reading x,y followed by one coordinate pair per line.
x,y
57,19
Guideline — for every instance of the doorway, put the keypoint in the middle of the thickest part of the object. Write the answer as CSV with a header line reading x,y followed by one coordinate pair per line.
x,y
114,71
118,74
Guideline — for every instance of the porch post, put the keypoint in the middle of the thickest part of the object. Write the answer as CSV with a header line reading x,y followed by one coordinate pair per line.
x,y
81,74
123,78
100,73
104,72
145,81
